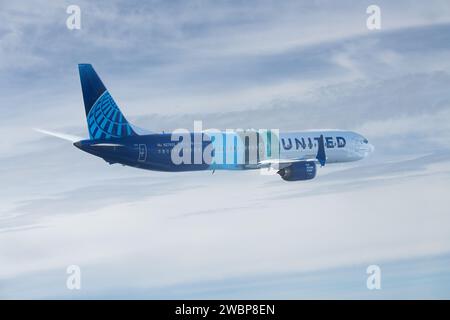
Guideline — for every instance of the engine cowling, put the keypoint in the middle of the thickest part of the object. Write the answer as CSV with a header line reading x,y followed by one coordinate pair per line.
x,y
304,170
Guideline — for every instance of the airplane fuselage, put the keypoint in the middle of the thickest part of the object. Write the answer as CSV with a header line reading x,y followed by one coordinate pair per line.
x,y
292,155
156,151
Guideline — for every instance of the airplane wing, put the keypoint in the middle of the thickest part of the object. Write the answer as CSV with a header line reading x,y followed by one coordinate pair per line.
x,y
280,163
63,136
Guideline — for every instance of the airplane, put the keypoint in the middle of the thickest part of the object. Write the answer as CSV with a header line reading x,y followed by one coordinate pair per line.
x,y
294,156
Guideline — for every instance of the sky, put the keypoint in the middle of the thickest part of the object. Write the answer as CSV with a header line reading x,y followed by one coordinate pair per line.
x,y
290,65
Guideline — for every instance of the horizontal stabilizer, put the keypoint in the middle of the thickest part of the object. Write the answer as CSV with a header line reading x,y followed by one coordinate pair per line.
x,y
63,136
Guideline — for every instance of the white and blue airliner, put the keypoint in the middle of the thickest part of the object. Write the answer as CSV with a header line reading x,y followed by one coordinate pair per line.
x,y
293,155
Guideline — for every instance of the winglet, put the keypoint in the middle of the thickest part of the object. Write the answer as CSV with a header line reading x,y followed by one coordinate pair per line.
x,y
321,156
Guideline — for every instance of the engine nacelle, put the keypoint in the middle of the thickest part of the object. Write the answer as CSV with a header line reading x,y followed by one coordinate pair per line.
x,y
304,170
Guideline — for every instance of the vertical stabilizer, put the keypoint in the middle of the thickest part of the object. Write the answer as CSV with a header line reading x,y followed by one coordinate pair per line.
x,y
104,118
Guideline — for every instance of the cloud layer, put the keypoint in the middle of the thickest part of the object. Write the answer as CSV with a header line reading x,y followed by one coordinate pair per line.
x,y
296,65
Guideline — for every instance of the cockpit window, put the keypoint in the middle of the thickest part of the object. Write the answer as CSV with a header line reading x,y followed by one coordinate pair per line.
x,y
366,141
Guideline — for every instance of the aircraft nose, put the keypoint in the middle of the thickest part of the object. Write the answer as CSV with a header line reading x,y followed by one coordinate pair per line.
x,y
368,149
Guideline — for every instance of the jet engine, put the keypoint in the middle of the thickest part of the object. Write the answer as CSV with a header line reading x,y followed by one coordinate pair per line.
x,y
303,170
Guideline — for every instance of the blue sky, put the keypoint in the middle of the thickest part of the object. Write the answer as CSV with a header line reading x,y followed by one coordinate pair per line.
x,y
232,64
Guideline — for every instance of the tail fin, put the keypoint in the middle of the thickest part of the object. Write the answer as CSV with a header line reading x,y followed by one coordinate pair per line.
x,y
104,118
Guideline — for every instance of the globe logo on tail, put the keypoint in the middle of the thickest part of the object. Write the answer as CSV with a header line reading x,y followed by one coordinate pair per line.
x,y
105,120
